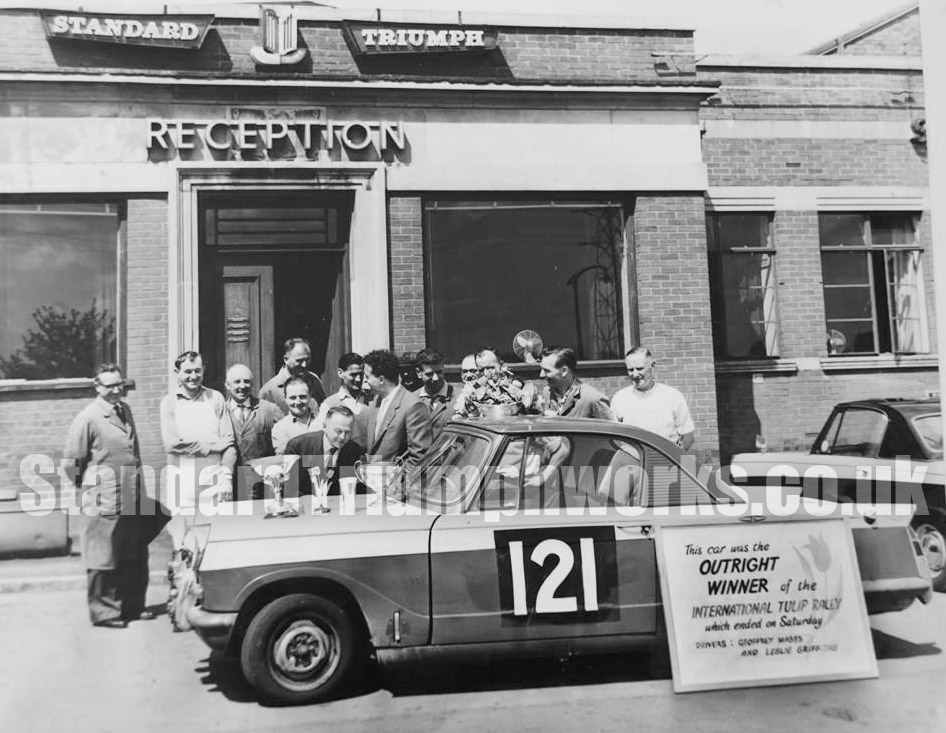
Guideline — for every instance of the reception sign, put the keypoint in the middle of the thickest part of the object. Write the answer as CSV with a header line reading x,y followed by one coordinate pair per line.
x,y
763,604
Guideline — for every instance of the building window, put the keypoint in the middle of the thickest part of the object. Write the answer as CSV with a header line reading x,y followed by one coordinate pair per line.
x,y
495,268
58,288
742,285
873,284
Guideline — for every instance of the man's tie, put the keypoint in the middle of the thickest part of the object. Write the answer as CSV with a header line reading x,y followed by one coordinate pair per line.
x,y
331,458
120,411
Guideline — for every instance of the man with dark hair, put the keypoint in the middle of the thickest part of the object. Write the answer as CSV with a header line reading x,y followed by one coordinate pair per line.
x,y
351,394
652,405
398,422
328,454
300,420
409,376
198,437
434,391
565,393
297,354
103,442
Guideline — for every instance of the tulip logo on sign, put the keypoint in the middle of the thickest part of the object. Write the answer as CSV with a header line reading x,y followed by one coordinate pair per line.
x,y
279,38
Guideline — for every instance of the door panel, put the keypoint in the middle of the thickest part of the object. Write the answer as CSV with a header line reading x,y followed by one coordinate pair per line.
x,y
248,318
541,577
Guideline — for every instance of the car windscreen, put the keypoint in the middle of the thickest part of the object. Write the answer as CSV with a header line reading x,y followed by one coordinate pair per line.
x,y
930,429
854,432
451,470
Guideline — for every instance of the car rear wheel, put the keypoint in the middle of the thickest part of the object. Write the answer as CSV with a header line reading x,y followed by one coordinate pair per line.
x,y
301,648
933,544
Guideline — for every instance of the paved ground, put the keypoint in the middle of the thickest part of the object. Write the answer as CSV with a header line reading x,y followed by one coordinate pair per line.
x,y
59,673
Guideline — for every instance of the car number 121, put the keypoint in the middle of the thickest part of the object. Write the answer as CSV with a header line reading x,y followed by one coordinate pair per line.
x,y
548,573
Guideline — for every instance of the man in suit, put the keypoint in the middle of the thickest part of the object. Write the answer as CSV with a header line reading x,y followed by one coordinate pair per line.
x,y
103,443
253,421
297,354
565,393
434,390
327,454
399,422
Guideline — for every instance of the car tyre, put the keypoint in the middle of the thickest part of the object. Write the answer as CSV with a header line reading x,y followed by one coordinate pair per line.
x,y
300,649
933,543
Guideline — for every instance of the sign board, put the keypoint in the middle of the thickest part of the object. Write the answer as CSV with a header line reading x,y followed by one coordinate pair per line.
x,y
386,38
769,603
163,31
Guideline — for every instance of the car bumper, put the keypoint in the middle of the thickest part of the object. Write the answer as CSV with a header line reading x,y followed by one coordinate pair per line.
x,y
895,594
213,627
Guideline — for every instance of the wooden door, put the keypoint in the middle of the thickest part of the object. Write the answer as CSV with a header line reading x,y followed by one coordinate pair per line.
x,y
248,327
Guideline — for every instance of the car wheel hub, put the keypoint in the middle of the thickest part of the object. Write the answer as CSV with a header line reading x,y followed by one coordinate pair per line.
x,y
933,545
302,648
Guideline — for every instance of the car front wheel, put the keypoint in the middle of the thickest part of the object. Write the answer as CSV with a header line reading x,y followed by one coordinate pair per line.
x,y
301,648
933,544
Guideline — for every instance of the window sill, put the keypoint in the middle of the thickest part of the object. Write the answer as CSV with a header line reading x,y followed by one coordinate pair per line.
x,y
882,361
757,366
52,385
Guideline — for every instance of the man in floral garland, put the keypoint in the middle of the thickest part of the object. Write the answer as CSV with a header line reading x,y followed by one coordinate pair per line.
x,y
565,394
495,385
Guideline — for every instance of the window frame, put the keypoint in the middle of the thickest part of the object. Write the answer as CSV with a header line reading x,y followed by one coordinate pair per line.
x,y
536,199
716,254
882,344
120,203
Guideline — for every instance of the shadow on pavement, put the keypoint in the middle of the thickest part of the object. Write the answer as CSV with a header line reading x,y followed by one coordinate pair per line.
x,y
222,674
893,647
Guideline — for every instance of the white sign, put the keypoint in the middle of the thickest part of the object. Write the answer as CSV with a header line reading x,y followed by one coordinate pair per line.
x,y
763,604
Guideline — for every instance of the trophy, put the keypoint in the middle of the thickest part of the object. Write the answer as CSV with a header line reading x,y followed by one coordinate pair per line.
x,y
319,491
275,478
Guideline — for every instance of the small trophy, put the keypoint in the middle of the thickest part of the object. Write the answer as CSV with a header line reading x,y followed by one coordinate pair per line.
x,y
275,478
319,491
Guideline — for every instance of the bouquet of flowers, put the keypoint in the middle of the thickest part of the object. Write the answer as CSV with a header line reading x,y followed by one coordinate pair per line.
x,y
496,393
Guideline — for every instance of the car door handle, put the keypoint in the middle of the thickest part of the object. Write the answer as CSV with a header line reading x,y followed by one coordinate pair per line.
x,y
644,530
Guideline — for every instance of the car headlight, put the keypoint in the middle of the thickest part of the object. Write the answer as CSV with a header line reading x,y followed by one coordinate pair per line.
x,y
195,541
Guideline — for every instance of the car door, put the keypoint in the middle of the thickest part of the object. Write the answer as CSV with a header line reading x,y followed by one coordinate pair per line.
x,y
545,551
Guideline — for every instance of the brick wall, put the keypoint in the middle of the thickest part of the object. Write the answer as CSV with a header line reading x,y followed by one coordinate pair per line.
x,y
799,298
553,53
673,295
900,38
406,273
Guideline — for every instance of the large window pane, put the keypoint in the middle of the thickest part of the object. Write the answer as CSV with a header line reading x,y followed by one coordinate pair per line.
x,y
742,286
58,283
874,300
496,268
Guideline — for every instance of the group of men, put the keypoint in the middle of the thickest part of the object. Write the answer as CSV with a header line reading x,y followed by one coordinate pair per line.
x,y
386,409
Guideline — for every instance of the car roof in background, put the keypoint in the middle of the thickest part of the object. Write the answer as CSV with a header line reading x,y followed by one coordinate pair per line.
x,y
906,406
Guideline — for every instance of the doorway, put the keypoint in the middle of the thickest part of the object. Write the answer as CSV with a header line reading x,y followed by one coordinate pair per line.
x,y
273,265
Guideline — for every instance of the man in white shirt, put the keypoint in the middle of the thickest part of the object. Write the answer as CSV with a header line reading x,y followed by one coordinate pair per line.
x,y
300,419
351,373
651,405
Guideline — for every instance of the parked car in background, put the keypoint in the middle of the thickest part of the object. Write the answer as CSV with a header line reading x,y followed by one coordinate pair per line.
x,y
880,450
525,536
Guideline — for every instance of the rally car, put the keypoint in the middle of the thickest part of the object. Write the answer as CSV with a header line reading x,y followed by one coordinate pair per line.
x,y
521,536
885,451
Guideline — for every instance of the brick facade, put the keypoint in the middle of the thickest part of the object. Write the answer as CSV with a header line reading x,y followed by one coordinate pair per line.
x,y
406,273
673,295
900,37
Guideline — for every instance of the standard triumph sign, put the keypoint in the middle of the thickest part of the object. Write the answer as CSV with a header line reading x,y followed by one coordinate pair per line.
x,y
167,31
763,604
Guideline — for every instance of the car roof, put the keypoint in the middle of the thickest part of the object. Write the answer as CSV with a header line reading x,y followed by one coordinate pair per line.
x,y
524,424
910,407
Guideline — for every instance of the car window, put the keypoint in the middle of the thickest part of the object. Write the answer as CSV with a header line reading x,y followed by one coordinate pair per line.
x,y
930,429
668,484
854,432
451,469
501,489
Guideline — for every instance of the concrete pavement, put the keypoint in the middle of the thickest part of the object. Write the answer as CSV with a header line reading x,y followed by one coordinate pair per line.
x,y
67,572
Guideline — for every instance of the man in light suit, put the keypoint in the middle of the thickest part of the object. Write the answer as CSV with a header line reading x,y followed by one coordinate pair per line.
x,y
331,450
399,422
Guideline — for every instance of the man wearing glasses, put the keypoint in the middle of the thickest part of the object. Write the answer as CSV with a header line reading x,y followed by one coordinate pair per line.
x,y
116,532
